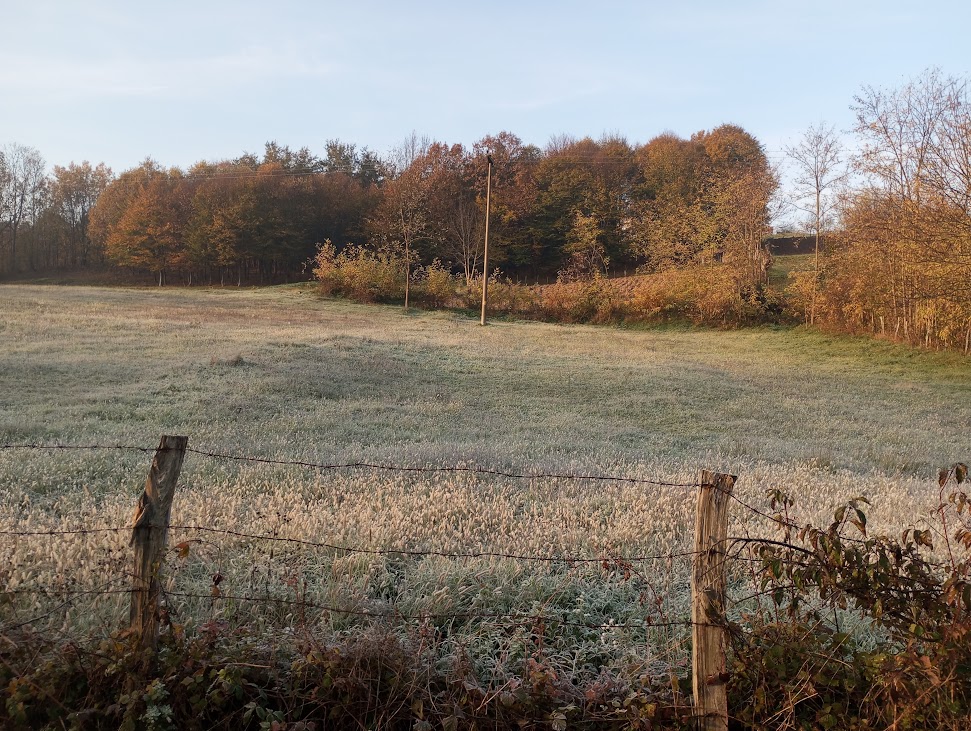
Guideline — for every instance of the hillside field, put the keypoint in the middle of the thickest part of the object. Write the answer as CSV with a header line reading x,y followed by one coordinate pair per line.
x,y
279,373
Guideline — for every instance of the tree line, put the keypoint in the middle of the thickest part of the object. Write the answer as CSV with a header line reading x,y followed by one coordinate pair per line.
x,y
888,212
576,207
45,218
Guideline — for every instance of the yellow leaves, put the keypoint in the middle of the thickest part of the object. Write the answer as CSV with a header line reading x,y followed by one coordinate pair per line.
x,y
215,591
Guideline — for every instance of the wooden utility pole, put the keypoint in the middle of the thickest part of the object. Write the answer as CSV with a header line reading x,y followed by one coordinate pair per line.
x,y
404,231
149,533
709,640
485,252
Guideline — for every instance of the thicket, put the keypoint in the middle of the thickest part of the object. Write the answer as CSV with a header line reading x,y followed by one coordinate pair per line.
x,y
897,264
713,294
846,630
800,665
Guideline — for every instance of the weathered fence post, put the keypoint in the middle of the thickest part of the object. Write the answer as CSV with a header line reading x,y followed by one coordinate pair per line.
x,y
149,532
708,603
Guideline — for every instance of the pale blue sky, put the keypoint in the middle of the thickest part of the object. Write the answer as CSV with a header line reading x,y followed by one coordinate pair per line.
x,y
116,82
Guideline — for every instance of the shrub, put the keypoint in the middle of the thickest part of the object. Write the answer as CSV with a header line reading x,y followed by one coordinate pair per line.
x,y
702,295
797,668
505,297
361,274
435,285
589,300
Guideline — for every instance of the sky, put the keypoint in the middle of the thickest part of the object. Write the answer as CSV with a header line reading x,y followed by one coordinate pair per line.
x,y
117,82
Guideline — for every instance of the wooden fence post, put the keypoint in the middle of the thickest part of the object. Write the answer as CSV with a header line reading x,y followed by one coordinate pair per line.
x,y
708,662
149,532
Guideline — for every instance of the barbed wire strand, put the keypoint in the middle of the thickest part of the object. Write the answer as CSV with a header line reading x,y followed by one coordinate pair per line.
x,y
81,447
102,591
367,465
606,558
446,469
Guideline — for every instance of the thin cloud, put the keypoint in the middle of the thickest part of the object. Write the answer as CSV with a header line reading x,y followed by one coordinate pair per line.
x,y
57,79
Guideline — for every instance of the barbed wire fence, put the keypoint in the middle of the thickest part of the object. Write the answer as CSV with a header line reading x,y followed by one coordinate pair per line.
x,y
152,597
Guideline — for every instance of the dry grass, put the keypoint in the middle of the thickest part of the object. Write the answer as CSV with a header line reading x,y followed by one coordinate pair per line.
x,y
279,373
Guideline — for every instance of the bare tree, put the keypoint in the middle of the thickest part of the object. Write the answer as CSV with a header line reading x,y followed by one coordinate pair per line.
x,y
455,218
402,217
23,184
406,154
74,192
463,233
4,201
819,168
908,235
898,129
949,171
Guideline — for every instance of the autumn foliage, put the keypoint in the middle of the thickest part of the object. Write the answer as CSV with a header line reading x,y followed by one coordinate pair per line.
x,y
891,222
898,265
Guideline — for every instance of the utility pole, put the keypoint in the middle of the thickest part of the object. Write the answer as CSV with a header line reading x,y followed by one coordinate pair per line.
x,y
404,231
485,253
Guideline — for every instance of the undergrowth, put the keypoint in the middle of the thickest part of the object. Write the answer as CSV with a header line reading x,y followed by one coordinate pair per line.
x,y
794,665
385,678
797,660
703,295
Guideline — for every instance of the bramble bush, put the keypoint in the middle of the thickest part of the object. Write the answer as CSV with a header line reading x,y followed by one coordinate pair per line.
x,y
797,666
380,679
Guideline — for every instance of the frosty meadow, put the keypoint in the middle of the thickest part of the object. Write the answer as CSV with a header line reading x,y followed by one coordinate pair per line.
x,y
279,374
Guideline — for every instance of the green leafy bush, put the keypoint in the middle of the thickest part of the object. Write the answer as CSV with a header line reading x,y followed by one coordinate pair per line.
x,y
796,667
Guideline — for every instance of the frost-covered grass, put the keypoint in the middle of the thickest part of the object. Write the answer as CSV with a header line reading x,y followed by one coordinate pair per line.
x,y
279,373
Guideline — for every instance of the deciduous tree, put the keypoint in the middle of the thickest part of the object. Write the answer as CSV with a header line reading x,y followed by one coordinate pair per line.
x,y
454,211
75,190
401,219
141,219
819,170
24,183
906,239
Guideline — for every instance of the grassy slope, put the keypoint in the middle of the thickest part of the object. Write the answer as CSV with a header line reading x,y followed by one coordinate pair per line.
x,y
326,379
277,372
783,265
